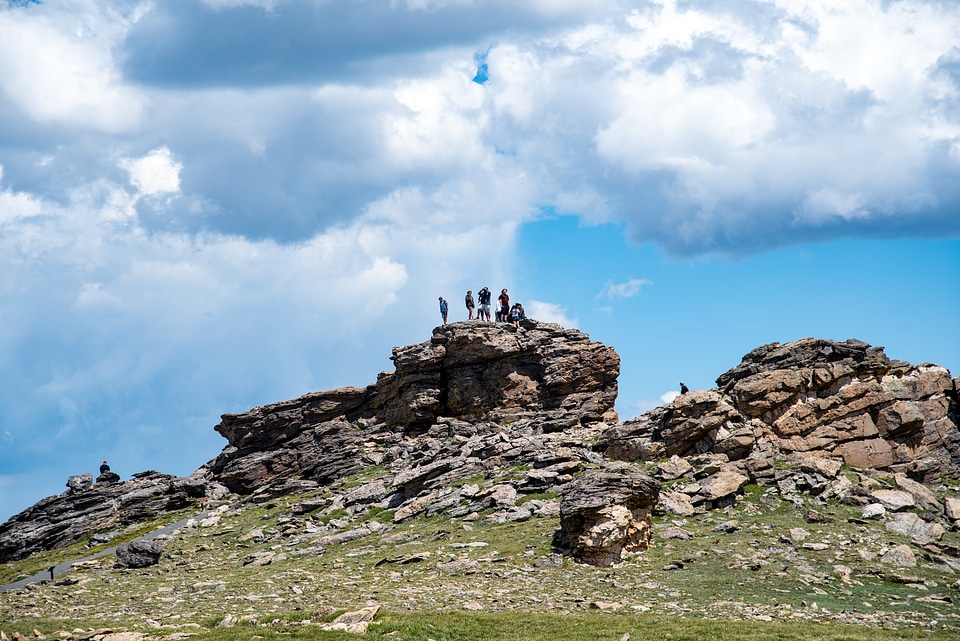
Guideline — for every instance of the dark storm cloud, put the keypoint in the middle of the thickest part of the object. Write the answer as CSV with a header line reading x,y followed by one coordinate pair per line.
x,y
186,43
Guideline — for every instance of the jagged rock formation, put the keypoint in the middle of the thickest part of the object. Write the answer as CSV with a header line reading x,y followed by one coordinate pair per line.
x,y
810,397
474,397
483,414
470,379
87,508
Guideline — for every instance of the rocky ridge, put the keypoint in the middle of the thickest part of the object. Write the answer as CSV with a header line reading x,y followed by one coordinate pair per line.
x,y
435,436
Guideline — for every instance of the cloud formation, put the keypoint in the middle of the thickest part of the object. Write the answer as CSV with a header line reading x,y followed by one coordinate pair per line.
x,y
221,202
627,289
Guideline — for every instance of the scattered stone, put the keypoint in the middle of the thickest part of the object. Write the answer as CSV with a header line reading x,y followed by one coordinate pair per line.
x,y
673,469
909,524
923,496
894,500
721,485
355,622
827,467
727,527
874,511
80,482
676,503
951,507
138,553
675,533
900,555
798,534
459,566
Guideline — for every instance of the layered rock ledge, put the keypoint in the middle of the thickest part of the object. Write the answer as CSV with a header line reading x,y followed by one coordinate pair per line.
x,y
812,397
474,421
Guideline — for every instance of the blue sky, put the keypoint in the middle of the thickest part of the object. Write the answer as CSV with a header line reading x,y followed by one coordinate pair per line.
x,y
207,205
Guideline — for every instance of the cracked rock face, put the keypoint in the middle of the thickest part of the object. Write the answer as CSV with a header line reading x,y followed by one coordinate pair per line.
x,y
542,375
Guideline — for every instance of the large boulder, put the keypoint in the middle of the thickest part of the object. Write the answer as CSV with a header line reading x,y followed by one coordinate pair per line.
x,y
605,514
139,553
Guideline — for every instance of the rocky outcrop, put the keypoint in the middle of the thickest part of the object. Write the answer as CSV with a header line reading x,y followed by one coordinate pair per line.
x,y
468,379
85,509
474,397
605,514
843,400
487,421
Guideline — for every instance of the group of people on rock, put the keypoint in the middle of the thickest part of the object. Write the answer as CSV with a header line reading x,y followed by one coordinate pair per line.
x,y
504,313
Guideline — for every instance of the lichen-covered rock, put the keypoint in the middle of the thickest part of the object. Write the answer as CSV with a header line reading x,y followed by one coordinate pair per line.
x,y
605,514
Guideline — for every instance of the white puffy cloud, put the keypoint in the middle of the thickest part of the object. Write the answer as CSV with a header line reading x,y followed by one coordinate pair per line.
x,y
627,289
669,397
153,174
550,313
213,227
59,67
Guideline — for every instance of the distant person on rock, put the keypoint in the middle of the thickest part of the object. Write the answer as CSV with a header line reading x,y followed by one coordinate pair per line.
x,y
504,310
516,314
106,476
443,310
484,297
468,300
683,388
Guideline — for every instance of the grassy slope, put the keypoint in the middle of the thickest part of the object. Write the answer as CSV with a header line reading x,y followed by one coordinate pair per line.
x,y
745,585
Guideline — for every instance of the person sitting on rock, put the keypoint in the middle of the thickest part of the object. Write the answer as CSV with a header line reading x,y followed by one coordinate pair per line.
x,y
104,467
683,388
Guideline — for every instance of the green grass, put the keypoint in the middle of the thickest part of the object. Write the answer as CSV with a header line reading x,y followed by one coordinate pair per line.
x,y
746,575
531,627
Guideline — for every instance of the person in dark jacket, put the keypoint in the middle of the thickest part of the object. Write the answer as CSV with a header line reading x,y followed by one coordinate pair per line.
x,y
468,301
484,298
104,467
